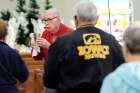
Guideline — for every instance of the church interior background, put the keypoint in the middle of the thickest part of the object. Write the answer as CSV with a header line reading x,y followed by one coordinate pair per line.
x,y
114,17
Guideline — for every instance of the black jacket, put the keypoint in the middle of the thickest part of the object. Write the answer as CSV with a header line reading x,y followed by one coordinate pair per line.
x,y
12,68
79,61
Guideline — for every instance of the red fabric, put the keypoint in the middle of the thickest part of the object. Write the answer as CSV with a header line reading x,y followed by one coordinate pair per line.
x,y
51,38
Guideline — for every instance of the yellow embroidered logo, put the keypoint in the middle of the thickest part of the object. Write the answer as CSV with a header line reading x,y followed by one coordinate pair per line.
x,y
93,48
92,39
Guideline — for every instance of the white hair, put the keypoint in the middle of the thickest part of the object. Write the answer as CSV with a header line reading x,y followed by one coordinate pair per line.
x,y
132,37
55,11
85,11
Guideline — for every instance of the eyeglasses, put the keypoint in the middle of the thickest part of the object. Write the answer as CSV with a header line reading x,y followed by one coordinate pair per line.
x,y
49,19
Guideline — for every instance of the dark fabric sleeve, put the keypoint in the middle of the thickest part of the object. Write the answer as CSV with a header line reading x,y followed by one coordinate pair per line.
x,y
118,57
51,76
20,70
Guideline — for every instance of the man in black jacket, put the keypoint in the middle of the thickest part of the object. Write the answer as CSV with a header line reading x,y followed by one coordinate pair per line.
x,y
12,67
79,61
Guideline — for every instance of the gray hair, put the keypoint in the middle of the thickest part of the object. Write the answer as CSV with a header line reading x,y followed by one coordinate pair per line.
x,y
85,11
132,38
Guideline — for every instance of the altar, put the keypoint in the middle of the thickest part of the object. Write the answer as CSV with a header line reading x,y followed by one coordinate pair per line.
x,y
34,84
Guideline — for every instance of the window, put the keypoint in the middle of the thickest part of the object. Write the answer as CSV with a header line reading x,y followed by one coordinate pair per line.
x,y
114,16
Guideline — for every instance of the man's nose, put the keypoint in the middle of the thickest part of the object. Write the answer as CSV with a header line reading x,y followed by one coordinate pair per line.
x,y
46,23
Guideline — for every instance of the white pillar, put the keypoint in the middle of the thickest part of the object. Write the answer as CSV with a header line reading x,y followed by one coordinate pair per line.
x,y
136,5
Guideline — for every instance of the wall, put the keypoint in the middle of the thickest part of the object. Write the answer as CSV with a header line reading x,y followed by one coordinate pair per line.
x,y
7,4
136,4
66,9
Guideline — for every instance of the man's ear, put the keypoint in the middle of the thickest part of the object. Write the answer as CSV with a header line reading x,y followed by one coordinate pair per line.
x,y
125,50
76,21
96,20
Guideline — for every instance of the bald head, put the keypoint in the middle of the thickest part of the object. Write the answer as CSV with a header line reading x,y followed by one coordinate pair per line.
x,y
52,12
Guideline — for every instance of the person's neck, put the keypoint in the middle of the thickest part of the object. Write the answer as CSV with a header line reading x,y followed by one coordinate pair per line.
x,y
1,40
86,24
133,58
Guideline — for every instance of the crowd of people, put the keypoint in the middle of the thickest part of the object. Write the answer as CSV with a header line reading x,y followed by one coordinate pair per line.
x,y
81,60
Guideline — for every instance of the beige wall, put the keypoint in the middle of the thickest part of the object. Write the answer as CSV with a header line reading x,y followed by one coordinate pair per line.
x,y
136,4
66,9
5,4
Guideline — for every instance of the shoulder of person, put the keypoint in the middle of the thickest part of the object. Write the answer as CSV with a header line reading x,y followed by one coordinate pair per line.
x,y
66,27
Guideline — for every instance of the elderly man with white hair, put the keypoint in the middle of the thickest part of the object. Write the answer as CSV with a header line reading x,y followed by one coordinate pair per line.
x,y
78,62
126,78
53,29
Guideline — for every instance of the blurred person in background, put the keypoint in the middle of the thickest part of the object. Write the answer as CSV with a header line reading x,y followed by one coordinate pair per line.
x,y
12,67
126,78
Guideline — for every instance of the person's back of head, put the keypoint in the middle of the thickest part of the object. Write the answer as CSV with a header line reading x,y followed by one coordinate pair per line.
x,y
132,38
3,30
86,12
